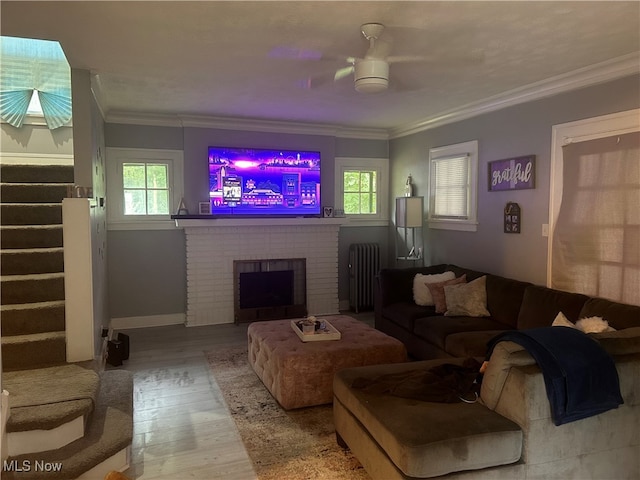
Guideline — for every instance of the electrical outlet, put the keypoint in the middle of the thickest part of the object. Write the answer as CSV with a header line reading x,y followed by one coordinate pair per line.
x,y
545,229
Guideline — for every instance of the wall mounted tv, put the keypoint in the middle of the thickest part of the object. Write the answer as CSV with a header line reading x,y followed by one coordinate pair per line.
x,y
255,182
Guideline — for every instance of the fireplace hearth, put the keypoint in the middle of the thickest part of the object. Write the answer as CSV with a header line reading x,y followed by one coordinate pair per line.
x,y
269,289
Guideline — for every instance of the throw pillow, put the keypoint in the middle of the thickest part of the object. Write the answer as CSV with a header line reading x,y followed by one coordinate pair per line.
x,y
594,325
467,300
437,292
421,294
562,321
587,325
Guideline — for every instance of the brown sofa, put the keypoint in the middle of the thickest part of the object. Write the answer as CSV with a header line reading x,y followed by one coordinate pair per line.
x,y
512,304
509,433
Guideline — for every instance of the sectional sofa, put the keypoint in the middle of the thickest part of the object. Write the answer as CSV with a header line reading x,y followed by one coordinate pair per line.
x,y
511,304
509,432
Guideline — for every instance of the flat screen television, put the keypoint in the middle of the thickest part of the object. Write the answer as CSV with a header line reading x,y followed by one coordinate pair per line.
x,y
256,182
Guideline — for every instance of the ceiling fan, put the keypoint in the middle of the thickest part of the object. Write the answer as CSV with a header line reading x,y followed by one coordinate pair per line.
x,y
371,72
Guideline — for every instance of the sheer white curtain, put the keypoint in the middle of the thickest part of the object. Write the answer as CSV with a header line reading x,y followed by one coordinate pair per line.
x,y
596,242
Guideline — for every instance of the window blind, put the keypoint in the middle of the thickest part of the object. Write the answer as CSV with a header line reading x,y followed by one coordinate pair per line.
x,y
451,187
29,65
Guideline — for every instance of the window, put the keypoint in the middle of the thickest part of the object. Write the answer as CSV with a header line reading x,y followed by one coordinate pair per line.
x,y
144,187
361,189
595,192
453,179
360,192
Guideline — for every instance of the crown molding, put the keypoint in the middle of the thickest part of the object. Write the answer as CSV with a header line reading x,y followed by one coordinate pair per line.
x,y
598,73
615,68
279,126
255,125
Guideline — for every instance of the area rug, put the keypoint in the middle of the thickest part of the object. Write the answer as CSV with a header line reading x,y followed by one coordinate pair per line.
x,y
296,444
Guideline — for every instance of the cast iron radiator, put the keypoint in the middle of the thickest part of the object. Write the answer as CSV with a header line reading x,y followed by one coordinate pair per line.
x,y
364,263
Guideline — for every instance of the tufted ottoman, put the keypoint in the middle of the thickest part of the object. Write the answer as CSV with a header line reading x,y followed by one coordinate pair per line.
x,y
300,374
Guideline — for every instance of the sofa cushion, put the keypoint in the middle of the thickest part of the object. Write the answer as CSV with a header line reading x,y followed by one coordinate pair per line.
x,y
619,315
405,313
504,356
426,439
540,305
395,285
468,299
421,294
504,298
436,329
459,271
620,342
469,344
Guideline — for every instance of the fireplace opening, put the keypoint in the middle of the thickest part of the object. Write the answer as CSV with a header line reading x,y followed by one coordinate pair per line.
x,y
266,289
269,289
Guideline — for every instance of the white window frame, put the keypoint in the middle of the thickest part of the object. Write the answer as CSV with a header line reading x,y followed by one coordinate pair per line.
x,y
381,167
116,157
470,149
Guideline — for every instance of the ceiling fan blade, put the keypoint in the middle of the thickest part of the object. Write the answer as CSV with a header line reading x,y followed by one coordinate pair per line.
x,y
284,51
473,58
408,58
343,72
315,81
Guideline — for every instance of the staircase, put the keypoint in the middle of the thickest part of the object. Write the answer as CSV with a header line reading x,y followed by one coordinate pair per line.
x,y
72,419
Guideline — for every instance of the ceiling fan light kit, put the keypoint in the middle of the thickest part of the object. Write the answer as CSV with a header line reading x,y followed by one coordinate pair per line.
x,y
371,75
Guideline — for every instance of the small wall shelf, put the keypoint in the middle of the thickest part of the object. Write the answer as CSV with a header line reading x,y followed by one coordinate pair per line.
x,y
409,224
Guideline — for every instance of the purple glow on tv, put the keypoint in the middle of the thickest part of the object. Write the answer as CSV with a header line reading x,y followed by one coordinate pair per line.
x,y
259,182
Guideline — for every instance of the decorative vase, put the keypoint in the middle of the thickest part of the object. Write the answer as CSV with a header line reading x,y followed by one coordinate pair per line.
x,y
408,187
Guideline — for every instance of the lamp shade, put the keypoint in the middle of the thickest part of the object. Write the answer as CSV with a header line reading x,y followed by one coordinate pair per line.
x,y
409,212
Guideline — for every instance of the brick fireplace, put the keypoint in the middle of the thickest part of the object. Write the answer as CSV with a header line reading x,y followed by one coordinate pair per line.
x,y
213,245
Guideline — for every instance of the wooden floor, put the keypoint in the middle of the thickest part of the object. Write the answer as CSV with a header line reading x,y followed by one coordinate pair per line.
x,y
182,427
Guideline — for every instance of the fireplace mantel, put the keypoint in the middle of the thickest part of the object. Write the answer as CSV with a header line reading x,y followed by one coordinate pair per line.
x,y
191,221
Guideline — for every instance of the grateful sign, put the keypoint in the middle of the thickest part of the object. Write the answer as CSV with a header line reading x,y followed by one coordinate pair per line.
x,y
512,173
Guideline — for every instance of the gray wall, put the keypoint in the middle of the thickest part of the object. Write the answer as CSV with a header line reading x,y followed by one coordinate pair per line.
x,y
147,269
520,130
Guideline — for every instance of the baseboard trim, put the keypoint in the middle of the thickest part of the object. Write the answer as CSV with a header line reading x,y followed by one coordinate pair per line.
x,y
125,323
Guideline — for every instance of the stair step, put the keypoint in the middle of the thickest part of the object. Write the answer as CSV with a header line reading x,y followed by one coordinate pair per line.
x,y
36,173
31,213
28,318
37,350
33,192
46,398
109,431
21,261
31,288
30,236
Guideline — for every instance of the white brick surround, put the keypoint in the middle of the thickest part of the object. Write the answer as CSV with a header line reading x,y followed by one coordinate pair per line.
x,y
213,245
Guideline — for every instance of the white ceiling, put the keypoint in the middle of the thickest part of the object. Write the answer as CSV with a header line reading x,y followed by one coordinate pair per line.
x,y
212,58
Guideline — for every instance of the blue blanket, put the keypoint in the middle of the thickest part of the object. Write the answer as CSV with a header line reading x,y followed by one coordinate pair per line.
x,y
580,376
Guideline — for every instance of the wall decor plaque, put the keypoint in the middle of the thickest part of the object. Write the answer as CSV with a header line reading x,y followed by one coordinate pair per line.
x,y
512,174
512,218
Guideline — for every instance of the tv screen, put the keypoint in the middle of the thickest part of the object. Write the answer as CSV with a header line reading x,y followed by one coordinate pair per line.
x,y
255,182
